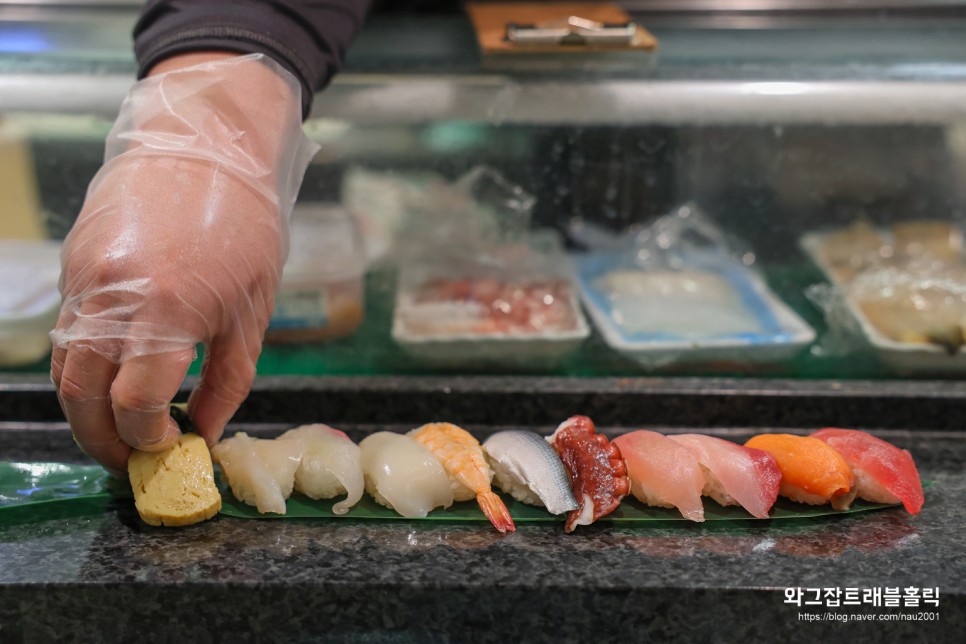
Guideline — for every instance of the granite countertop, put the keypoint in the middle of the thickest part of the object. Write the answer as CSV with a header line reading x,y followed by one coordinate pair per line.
x,y
110,577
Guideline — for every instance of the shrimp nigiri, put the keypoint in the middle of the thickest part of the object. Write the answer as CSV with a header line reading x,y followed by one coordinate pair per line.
x,y
812,471
883,472
735,475
330,465
403,475
664,474
597,470
462,457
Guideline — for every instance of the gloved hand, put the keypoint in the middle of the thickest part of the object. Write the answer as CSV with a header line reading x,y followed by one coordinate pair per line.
x,y
181,240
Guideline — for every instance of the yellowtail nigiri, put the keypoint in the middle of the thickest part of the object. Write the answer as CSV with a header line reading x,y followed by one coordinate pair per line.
x,y
734,474
663,473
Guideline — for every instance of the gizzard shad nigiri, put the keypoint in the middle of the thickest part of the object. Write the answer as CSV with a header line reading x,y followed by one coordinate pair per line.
x,y
462,457
597,471
526,467
812,471
883,472
664,474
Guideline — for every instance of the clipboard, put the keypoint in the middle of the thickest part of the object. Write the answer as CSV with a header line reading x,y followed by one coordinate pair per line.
x,y
565,28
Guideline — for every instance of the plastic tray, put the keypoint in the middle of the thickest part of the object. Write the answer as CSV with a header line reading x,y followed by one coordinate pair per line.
x,y
903,357
482,350
784,332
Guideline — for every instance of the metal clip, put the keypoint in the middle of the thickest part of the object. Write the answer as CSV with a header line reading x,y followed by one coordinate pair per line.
x,y
572,30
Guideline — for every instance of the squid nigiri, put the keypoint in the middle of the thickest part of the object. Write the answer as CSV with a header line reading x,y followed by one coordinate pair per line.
x,y
462,457
735,475
330,465
529,470
260,472
883,472
597,470
664,474
403,475
812,471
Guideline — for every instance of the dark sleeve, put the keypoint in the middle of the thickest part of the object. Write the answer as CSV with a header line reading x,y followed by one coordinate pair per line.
x,y
307,37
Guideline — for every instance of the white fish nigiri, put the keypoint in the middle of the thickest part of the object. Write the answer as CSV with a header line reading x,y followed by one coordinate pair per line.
x,y
663,473
735,474
527,468
403,475
260,472
331,465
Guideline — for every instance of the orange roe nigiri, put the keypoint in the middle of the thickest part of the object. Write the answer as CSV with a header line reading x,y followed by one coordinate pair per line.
x,y
812,471
883,472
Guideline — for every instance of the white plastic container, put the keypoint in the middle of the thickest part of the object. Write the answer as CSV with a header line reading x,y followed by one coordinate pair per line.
x,y
776,332
29,299
321,294
905,358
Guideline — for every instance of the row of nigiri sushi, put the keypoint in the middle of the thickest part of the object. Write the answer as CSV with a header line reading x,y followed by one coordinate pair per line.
x,y
574,471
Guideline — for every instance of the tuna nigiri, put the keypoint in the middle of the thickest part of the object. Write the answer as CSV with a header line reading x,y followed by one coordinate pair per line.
x,y
260,472
330,465
597,471
812,471
462,458
663,473
883,472
735,475
529,470
403,475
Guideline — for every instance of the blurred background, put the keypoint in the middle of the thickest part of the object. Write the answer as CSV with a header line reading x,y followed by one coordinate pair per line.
x,y
771,120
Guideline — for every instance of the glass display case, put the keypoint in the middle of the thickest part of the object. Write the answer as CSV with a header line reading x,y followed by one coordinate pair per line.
x,y
754,229
800,140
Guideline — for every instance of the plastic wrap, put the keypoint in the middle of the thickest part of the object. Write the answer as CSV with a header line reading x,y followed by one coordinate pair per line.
x,y
901,289
321,295
177,169
680,290
478,288
181,241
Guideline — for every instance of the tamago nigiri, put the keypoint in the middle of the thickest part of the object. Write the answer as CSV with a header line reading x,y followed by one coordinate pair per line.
x,y
462,457
734,474
883,472
663,473
812,471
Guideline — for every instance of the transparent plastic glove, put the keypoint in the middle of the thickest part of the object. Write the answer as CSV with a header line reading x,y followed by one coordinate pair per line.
x,y
181,240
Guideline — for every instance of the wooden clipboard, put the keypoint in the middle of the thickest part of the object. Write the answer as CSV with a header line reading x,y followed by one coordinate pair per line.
x,y
490,22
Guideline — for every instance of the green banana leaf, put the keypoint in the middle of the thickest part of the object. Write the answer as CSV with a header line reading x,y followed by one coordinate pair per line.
x,y
90,488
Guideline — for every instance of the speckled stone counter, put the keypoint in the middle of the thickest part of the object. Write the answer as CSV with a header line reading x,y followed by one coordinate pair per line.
x,y
109,577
